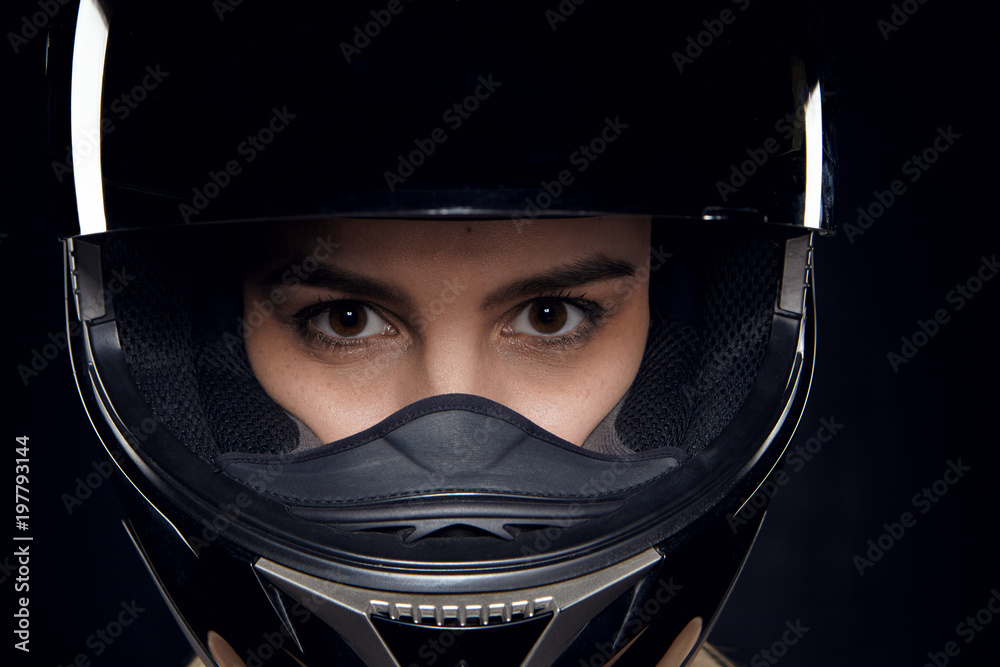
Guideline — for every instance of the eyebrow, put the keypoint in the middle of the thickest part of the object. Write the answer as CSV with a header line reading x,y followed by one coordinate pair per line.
x,y
331,277
579,272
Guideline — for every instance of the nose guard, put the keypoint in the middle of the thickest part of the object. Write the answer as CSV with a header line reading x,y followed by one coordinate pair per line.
x,y
453,463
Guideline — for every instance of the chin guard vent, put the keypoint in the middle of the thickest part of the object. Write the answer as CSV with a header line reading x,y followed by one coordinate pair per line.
x,y
479,516
463,615
452,528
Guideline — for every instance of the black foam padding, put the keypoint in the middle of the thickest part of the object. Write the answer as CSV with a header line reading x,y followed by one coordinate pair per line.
x,y
204,392
693,379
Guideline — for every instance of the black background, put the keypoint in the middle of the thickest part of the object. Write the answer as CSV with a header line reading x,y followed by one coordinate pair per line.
x,y
900,429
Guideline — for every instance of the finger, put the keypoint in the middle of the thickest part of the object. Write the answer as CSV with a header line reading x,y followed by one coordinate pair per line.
x,y
222,652
683,645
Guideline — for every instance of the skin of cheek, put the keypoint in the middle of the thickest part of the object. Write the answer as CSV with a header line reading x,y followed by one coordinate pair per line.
x,y
571,401
334,400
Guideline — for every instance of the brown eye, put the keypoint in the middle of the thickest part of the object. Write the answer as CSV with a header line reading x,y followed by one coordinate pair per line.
x,y
547,317
349,319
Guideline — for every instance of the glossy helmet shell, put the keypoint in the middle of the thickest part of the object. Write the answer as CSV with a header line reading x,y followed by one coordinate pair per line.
x,y
711,121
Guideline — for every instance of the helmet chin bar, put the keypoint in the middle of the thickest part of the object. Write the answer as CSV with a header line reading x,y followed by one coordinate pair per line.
x,y
560,611
639,604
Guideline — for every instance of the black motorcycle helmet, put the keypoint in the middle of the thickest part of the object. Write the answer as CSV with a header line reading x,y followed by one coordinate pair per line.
x,y
187,123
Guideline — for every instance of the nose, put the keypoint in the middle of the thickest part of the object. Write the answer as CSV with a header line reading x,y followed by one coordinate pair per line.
x,y
450,364
454,350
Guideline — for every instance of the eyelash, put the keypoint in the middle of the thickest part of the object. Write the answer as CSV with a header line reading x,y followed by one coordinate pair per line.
x,y
303,317
594,314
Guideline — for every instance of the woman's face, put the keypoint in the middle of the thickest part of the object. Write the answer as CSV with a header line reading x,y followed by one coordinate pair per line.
x,y
350,321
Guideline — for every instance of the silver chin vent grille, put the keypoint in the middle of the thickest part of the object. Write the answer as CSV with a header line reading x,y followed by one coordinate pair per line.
x,y
354,612
464,614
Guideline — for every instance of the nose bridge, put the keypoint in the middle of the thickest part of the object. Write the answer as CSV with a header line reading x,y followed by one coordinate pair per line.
x,y
456,364
455,350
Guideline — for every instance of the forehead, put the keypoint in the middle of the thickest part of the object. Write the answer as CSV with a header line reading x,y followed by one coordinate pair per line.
x,y
473,244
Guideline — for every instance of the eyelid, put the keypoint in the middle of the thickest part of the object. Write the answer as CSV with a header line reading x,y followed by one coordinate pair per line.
x,y
592,309
314,309
304,320
373,321
522,322
593,312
